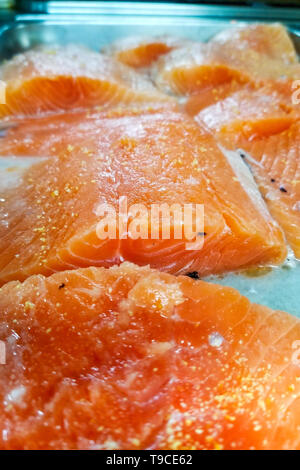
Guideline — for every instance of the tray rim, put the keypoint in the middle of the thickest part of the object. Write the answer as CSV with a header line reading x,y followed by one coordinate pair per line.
x,y
117,8
105,13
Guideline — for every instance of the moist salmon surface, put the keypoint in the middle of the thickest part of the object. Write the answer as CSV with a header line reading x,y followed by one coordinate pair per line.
x,y
244,54
262,123
149,158
139,52
275,163
69,77
122,336
131,358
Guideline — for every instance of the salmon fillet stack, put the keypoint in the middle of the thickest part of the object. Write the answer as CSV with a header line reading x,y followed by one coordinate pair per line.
x,y
240,86
261,121
107,345
245,55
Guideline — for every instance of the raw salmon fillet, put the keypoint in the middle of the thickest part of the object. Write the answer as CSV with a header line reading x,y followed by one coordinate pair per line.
x,y
140,52
131,358
270,40
189,70
264,123
211,95
63,78
159,157
248,113
275,163
243,54
55,133
268,96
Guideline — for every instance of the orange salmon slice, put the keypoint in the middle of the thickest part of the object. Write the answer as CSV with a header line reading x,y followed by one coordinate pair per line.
x,y
248,113
54,133
131,358
243,54
64,78
211,95
250,97
270,40
140,52
265,124
161,157
275,163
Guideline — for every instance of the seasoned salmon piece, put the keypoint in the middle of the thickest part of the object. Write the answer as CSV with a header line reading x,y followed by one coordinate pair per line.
x,y
189,70
212,95
275,163
264,124
249,114
244,55
271,40
131,358
55,133
64,78
282,93
266,95
151,158
140,52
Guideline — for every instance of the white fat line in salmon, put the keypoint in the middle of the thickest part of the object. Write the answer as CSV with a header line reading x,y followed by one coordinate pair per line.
x,y
248,157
